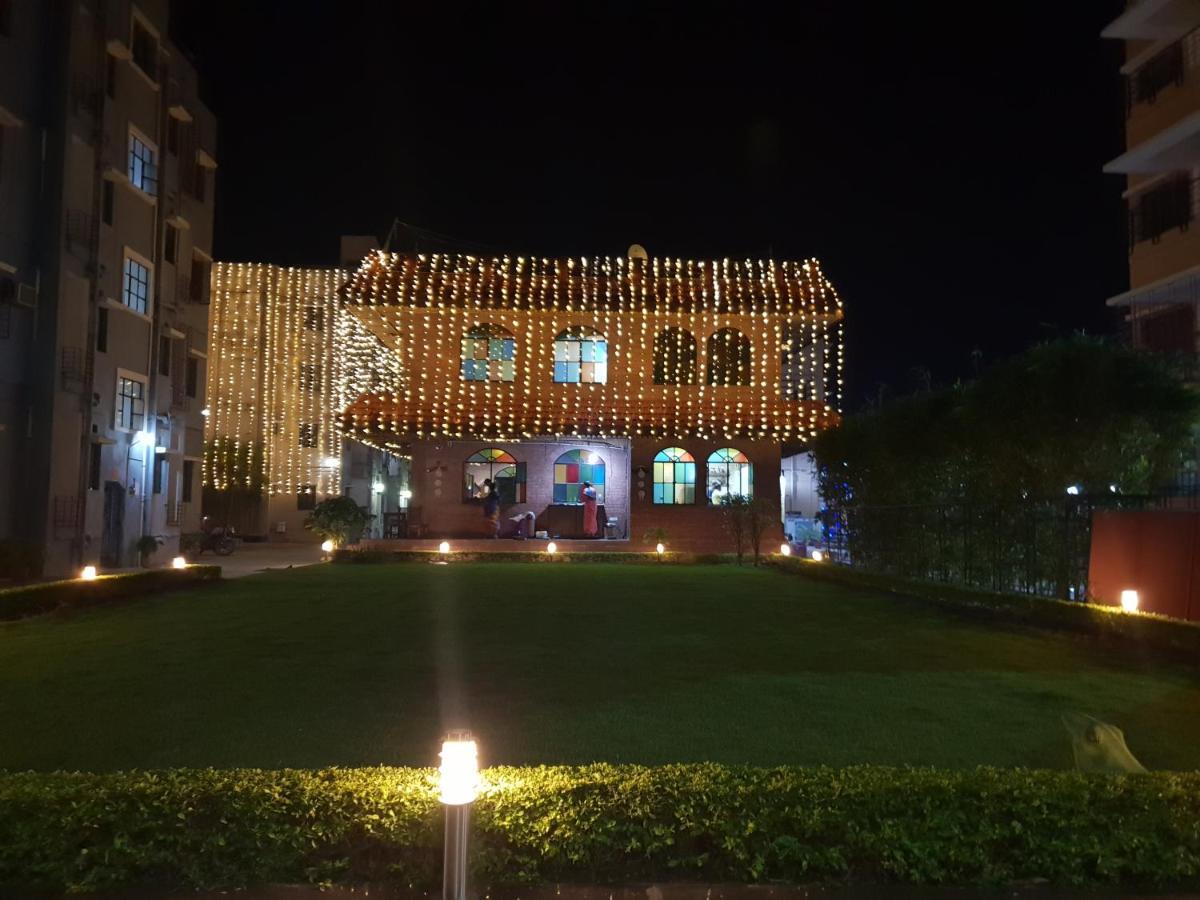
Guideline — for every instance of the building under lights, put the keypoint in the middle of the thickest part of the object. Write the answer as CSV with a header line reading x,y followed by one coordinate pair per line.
x,y
106,210
405,383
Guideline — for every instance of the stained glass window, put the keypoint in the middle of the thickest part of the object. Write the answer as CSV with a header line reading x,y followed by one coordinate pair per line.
x,y
580,356
572,469
504,471
730,474
674,477
488,354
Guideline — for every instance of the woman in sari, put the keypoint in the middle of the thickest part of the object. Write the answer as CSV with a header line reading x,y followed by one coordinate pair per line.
x,y
587,496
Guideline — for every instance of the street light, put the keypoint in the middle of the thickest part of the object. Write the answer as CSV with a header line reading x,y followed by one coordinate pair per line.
x,y
457,789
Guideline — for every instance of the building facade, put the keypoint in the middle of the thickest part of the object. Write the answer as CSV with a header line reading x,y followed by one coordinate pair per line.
x,y
1161,165
107,163
666,385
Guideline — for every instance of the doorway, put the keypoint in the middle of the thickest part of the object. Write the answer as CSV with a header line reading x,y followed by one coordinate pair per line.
x,y
114,524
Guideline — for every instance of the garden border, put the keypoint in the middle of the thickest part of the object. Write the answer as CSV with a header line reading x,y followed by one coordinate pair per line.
x,y
1176,637
75,593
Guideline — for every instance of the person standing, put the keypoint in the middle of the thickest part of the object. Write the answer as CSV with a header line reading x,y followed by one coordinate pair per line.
x,y
587,496
491,507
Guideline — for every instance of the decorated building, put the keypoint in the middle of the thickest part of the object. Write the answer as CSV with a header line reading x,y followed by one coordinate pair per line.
x,y
666,384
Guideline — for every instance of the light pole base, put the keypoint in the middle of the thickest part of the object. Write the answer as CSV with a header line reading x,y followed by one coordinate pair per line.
x,y
454,866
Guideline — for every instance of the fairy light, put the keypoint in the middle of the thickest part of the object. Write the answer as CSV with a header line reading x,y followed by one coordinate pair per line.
x,y
387,364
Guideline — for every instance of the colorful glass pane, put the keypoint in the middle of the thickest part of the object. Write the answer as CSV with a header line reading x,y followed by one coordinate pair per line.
x,y
674,477
572,469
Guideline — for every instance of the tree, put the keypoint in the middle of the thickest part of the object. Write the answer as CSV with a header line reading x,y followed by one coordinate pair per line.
x,y
735,517
761,514
337,518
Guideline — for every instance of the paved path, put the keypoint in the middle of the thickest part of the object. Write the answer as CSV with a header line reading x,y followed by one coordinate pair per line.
x,y
251,558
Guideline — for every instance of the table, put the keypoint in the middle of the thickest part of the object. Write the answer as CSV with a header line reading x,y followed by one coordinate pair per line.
x,y
565,520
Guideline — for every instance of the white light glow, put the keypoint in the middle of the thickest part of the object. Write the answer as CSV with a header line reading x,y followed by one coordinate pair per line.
x,y
327,546
377,487
785,549
88,573
552,547
405,495
160,449
444,547
1073,490
1130,600
206,412
818,556
459,771
332,462
593,458
660,549
179,563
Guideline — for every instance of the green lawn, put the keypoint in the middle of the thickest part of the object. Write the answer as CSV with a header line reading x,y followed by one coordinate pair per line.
x,y
355,665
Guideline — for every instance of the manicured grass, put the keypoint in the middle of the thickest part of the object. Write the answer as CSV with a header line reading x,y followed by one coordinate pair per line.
x,y
358,665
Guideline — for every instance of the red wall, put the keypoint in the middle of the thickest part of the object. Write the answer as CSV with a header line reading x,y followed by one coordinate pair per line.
x,y
1156,553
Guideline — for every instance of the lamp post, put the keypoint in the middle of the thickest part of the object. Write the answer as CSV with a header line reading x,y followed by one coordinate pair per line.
x,y
459,785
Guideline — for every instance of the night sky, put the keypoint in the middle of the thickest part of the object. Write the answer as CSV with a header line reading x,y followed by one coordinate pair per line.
x,y
942,161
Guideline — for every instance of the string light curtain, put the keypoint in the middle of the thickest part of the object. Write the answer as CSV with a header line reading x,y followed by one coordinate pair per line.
x,y
422,305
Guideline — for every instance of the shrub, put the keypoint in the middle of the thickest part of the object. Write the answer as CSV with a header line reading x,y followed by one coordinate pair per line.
x,y
337,518
30,600
600,823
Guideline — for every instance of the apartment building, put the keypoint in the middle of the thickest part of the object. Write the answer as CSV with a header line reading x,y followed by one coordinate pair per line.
x,y
1161,164
107,164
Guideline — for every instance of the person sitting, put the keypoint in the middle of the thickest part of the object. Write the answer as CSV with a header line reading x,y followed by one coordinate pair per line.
x,y
521,526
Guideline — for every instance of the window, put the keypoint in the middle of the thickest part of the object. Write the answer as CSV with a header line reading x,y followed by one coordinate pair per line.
x,y
164,356
580,356
505,472
171,244
1160,209
143,169
200,183
192,377
160,466
572,469
674,477
310,376
189,474
110,77
730,474
143,44
674,357
172,135
135,293
106,203
306,497
309,432
314,318
487,354
131,402
197,287
728,357
94,463
102,330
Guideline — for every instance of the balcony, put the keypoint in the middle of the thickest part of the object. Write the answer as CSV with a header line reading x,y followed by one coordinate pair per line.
x,y
1154,20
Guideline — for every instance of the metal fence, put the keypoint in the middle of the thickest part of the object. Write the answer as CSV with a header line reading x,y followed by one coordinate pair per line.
x,y
1030,547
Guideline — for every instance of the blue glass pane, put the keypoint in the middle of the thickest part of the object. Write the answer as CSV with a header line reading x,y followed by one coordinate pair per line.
x,y
658,493
560,371
598,474
573,372
560,493
601,351
508,348
587,351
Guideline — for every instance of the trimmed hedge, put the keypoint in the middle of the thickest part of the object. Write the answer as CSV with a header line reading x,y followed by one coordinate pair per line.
x,y
350,555
1175,637
600,823
34,599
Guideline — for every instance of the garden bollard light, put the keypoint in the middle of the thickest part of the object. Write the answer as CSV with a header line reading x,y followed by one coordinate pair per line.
x,y
785,550
88,573
179,563
1130,600
817,556
552,548
459,785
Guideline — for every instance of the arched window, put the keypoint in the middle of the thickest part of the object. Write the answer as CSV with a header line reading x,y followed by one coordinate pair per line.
x,y
487,353
572,469
728,357
730,474
674,476
580,356
505,472
674,357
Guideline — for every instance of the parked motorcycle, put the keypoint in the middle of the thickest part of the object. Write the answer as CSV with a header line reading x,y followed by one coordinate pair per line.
x,y
220,539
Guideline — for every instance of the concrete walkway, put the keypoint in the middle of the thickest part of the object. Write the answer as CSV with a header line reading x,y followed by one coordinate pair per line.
x,y
249,559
